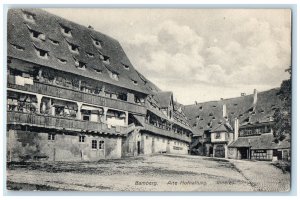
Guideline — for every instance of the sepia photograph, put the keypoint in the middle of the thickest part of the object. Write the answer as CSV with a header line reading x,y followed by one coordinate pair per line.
x,y
148,100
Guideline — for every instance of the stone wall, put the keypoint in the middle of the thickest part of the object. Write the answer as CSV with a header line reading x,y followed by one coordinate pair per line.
x,y
23,145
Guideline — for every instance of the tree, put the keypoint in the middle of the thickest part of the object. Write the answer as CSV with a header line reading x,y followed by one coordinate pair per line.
x,y
283,115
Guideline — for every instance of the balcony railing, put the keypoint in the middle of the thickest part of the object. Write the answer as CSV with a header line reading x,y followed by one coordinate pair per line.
x,y
60,123
61,92
166,133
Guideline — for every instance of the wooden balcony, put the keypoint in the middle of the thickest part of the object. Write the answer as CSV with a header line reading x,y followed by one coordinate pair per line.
x,y
163,132
61,123
75,95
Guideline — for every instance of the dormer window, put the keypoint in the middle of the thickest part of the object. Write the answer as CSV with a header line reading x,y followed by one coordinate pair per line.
x,y
113,75
29,16
90,55
63,61
97,43
126,67
105,59
134,82
66,30
19,48
73,48
41,53
79,64
54,42
36,35
98,71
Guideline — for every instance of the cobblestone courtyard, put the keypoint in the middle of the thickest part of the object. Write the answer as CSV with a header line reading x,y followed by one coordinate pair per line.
x,y
149,173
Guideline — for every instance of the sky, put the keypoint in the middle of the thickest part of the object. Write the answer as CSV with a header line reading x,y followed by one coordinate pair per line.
x,y
199,54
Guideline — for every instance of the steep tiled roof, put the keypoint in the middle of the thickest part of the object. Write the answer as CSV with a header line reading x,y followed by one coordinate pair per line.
x,y
208,115
96,50
163,98
264,141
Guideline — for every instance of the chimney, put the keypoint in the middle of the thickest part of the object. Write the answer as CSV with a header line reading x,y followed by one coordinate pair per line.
x,y
196,103
254,99
221,99
243,94
224,110
236,128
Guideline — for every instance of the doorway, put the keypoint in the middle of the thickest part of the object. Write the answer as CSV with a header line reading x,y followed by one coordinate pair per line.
x,y
244,152
139,147
220,151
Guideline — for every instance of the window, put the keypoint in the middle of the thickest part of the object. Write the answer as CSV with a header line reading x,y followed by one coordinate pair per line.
x,y
113,75
54,42
41,53
36,34
200,108
94,144
90,55
73,48
105,59
98,71
19,48
79,64
86,117
81,138
29,16
134,82
66,31
51,136
146,137
126,67
63,61
101,144
218,135
97,43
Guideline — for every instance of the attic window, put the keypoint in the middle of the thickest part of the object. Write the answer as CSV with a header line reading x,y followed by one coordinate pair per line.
x,y
97,43
42,53
73,48
210,114
105,59
29,16
98,71
90,55
19,48
63,61
126,67
54,42
79,64
134,82
37,35
66,31
113,75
